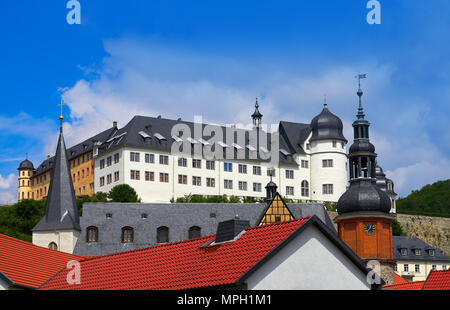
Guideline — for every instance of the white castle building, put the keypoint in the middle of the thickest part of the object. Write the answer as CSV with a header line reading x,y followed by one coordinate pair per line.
x,y
164,159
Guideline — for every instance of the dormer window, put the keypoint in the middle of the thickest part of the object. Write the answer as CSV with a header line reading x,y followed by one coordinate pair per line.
x,y
92,234
404,252
417,252
431,252
127,235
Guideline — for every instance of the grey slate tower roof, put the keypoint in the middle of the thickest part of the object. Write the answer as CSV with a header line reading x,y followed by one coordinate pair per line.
x,y
61,210
326,125
363,193
26,164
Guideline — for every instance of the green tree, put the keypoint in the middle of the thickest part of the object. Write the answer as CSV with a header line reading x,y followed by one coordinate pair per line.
x,y
123,193
397,229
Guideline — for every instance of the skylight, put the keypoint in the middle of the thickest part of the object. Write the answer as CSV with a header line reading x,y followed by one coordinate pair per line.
x,y
237,146
177,139
284,152
262,148
193,141
159,136
143,134
222,144
203,141
251,148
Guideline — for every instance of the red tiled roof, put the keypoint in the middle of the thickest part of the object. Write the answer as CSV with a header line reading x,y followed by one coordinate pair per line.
x,y
410,286
179,265
30,265
398,279
438,280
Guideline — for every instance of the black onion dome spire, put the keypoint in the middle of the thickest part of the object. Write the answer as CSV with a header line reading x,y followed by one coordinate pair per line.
x,y
257,116
363,193
61,210
326,125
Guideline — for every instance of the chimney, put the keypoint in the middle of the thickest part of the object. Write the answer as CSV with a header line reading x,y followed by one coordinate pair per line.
x,y
228,230
115,124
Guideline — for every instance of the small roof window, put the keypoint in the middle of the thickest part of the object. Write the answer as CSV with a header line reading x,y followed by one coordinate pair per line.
x,y
143,134
159,136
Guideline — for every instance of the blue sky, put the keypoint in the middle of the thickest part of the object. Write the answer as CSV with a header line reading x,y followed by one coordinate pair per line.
x,y
210,58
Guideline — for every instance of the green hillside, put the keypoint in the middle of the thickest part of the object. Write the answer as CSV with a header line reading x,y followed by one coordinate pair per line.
x,y
433,200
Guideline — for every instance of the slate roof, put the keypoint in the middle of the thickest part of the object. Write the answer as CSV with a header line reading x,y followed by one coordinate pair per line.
x,y
190,264
437,280
76,150
143,131
411,243
61,211
29,265
178,217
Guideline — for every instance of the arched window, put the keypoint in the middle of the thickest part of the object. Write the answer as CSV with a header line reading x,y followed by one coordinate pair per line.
x,y
195,232
53,246
92,234
127,234
163,234
305,188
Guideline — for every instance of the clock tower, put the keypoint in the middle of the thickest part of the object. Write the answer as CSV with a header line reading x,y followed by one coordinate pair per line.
x,y
364,222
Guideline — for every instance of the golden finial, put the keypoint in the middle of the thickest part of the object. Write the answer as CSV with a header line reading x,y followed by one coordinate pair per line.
x,y
61,118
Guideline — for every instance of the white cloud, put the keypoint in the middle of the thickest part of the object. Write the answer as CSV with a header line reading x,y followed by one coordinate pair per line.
x,y
8,189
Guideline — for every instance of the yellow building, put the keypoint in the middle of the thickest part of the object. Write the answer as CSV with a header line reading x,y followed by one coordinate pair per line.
x,y
34,183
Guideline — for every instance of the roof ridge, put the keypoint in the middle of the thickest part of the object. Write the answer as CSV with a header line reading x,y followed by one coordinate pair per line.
x,y
278,223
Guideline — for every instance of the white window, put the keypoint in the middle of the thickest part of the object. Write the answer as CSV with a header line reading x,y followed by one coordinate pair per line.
x,y
406,268
210,182
228,184
305,164
242,185
163,159
270,172
433,267
210,165
431,252
228,167
305,188
334,143
109,161
417,267
327,189
135,174
243,169
396,268
256,170
102,163
116,158
197,163
289,174
417,252
150,158
444,267
327,163
102,181
164,177
182,179
257,187
134,156
109,179
182,162
404,252
116,176
197,181
290,190
149,176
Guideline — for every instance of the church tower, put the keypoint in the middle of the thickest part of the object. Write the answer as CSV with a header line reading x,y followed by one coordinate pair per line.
x,y
60,227
26,170
363,220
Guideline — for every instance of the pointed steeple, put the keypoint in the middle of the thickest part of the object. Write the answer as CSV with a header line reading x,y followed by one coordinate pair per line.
x,y
257,116
61,210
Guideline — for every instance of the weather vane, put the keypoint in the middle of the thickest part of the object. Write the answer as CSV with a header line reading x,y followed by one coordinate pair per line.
x,y
359,77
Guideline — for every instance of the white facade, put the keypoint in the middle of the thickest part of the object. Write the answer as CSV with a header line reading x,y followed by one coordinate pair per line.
x,y
288,178
419,269
65,240
309,262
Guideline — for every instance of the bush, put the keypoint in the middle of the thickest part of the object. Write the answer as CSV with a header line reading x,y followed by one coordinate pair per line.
x,y
397,229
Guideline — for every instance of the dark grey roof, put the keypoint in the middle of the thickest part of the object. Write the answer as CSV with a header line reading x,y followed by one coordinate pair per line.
x,y
61,210
76,150
295,135
178,217
143,131
26,164
362,146
363,195
326,125
382,181
412,243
